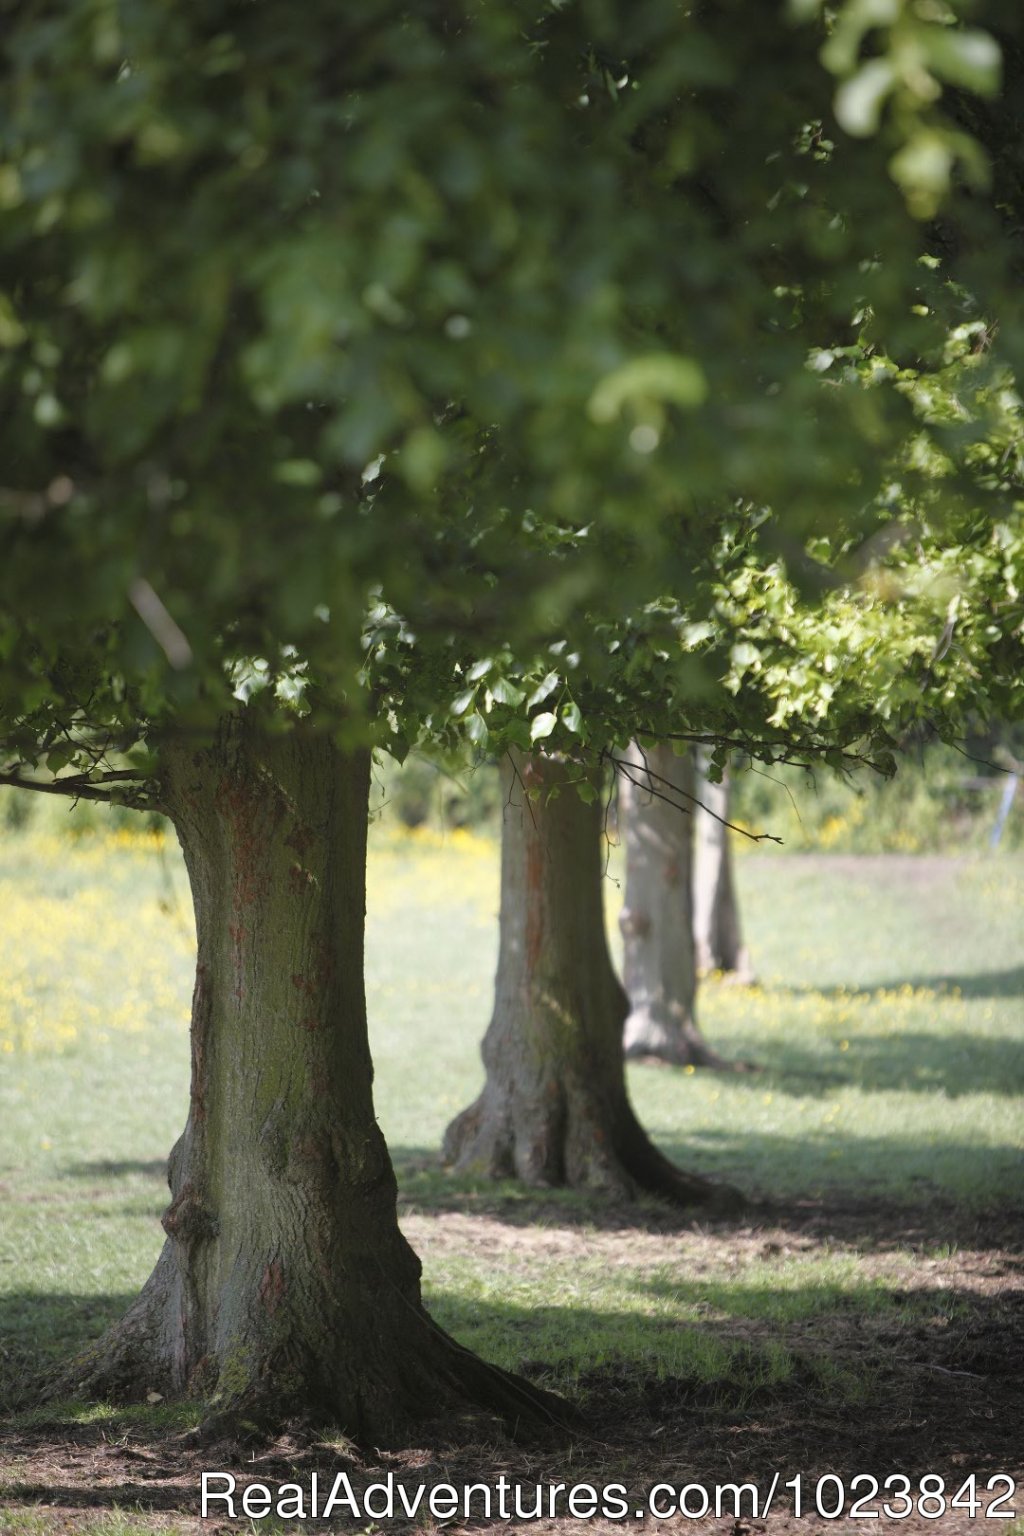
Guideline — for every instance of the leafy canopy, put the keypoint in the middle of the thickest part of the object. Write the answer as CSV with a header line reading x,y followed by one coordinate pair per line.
x,y
498,315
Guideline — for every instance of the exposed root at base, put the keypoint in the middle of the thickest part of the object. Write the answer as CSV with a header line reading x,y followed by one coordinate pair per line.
x,y
425,1377
683,1055
624,1164
707,1060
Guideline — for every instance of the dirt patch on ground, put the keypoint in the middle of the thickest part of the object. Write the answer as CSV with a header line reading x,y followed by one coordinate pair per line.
x,y
945,1393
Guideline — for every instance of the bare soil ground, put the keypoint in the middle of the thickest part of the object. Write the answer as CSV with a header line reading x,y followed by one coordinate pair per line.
x,y
944,1394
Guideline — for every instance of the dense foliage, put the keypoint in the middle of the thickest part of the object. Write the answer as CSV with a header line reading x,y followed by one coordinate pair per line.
x,y
517,328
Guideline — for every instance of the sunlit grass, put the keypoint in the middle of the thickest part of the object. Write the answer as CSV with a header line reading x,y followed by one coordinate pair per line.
x,y
663,1319
890,1026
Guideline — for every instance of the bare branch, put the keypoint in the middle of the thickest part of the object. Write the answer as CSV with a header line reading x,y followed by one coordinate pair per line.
x,y
771,750
79,787
526,796
606,823
1014,771
623,767
752,768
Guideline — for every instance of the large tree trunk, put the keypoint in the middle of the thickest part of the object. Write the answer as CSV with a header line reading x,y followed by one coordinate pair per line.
x,y
554,1108
285,1289
716,918
656,804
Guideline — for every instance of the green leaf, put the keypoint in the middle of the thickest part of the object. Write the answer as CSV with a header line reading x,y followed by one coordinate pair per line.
x,y
572,717
922,168
422,459
12,332
695,634
856,18
966,57
744,654
463,701
48,410
504,692
399,746
542,725
543,689
298,472
660,376
516,733
859,100
476,729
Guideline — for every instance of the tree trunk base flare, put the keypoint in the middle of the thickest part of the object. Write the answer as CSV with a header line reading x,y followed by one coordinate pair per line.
x,y
285,1292
679,1044
656,818
742,974
554,1108
574,1151
375,1394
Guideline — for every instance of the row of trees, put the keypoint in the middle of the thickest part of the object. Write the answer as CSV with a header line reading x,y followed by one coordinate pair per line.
x,y
423,376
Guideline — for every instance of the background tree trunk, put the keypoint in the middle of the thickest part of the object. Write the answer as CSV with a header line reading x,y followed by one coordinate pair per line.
x,y
554,1108
285,1288
716,919
657,918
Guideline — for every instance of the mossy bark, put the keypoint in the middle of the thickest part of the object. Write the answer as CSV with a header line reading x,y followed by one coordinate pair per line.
x,y
554,1109
285,1289
718,936
656,805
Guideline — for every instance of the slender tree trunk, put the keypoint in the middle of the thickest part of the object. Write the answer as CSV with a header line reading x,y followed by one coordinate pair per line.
x,y
554,1108
716,918
656,819
285,1289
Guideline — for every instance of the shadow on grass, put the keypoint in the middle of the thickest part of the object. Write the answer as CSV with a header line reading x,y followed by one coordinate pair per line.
x,y
875,1194
970,985
911,1182
868,1372
38,1329
752,1339
108,1168
716,1315
914,1061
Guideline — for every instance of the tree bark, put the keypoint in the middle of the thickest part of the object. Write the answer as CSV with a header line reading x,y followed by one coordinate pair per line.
x,y
656,806
285,1289
716,919
554,1108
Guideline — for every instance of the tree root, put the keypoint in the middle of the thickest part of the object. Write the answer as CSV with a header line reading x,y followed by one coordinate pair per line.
x,y
423,1375
622,1163
685,1053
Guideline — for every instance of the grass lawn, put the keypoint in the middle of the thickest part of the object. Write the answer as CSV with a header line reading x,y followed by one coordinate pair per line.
x,y
874,1286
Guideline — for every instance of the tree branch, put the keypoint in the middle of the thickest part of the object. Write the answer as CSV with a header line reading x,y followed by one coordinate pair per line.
x,y
79,787
622,766
518,778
